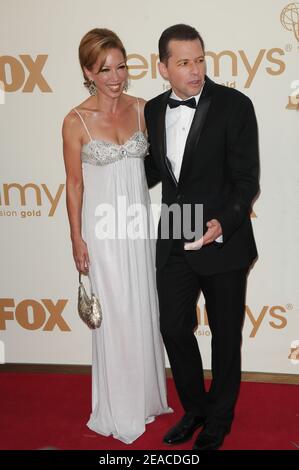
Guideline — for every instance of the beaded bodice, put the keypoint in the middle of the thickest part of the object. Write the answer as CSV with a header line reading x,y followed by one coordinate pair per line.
x,y
101,152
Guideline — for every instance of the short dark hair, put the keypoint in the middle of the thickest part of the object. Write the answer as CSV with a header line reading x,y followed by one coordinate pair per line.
x,y
179,32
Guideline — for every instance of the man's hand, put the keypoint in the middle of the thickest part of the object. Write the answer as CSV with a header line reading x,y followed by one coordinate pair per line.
x,y
214,231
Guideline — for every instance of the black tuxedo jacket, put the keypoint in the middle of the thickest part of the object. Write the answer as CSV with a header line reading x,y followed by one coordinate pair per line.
x,y
220,170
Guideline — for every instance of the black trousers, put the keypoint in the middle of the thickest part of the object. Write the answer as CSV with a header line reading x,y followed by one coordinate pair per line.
x,y
179,287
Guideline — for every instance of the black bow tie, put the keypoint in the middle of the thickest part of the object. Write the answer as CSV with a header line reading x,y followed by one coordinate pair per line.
x,y
191,103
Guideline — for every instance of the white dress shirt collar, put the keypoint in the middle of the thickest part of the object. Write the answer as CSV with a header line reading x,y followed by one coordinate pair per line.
x,y
175,97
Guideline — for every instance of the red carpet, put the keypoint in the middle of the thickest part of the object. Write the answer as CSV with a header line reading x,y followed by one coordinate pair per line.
x,y
41,410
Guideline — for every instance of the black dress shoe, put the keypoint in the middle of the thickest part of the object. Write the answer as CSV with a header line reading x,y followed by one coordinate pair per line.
x,y
184,429
210,438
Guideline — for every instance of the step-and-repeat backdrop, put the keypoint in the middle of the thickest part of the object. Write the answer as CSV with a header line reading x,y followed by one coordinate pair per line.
x,y
252,46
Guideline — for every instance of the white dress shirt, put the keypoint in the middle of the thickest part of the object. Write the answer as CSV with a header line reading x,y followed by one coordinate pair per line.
x,y
177,125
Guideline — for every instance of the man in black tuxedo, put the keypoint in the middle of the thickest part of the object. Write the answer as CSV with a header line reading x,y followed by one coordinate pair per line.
x,y
204,150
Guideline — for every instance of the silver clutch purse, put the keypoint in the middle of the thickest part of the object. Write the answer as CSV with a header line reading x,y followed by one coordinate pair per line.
x,y
89,309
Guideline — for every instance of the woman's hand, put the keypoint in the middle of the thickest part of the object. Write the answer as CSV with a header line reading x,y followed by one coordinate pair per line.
x,y
80,254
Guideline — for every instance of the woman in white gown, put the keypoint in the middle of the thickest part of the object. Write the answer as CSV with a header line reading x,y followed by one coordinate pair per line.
x,y
104,149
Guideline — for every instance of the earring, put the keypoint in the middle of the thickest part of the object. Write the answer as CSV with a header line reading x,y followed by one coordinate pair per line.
x,y
126,85
90,84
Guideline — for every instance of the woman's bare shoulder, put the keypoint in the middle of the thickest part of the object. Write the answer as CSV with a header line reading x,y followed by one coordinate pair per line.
x,y
82,108
142,103
134,99
70,123
138,103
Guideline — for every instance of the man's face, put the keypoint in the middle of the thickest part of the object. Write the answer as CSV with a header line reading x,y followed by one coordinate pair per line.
x,y
185,68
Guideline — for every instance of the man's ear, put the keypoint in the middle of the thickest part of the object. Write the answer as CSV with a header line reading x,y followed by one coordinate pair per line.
x,y
163,70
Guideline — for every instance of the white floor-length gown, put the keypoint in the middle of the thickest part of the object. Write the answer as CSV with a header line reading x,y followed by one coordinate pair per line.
x,y
128,374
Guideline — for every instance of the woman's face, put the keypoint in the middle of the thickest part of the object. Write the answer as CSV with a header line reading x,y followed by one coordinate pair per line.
x,y
110,77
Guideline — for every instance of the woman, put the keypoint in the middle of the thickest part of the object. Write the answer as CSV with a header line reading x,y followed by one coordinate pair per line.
x,y
104,148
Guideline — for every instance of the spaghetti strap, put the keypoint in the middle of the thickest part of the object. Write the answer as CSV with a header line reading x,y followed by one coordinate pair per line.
x,y
138,112
83,123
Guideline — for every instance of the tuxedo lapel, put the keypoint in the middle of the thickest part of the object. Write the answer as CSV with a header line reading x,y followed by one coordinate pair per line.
x,y
161,137
197,126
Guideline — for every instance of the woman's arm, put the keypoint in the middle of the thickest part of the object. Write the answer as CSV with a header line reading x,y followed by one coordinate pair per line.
x,y
74,188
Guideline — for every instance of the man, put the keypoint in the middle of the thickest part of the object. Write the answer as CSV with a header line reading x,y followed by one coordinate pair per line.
x,y
204,150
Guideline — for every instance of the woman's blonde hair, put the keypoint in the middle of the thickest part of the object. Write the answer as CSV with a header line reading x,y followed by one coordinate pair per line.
x,y
94,44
